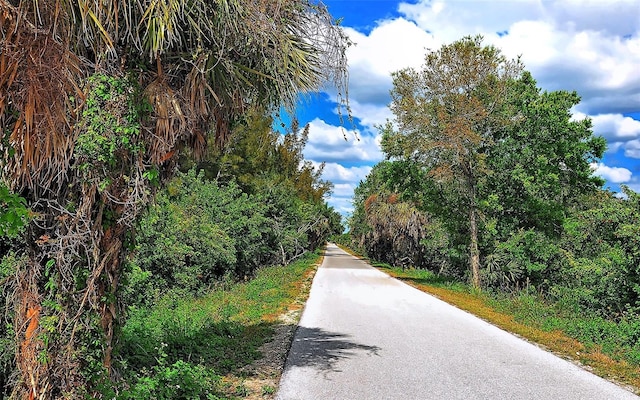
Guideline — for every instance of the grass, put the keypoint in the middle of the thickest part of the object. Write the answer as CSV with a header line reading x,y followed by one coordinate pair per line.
x,y
208,341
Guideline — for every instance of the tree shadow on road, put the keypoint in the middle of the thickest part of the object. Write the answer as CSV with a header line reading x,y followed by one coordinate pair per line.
x,y
322,350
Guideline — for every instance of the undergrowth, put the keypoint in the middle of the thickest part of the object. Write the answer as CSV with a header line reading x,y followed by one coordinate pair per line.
x,y
195,348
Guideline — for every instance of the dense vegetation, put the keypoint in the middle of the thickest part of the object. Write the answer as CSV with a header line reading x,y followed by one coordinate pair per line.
x,y
488,180
105,245
99,103
199,237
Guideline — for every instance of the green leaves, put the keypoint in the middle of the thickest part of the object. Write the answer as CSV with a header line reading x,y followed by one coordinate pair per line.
x,y
14,214
476,143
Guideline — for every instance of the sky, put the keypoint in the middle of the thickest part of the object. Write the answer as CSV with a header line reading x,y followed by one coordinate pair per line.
x,y
588,46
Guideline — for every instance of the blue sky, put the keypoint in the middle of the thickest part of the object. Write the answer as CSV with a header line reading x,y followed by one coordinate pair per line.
x,y
590,46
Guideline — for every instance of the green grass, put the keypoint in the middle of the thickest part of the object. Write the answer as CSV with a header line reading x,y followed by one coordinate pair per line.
x,y
200,340
422,277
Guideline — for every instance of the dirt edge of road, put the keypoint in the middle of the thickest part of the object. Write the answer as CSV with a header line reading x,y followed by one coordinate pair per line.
x,y
263,375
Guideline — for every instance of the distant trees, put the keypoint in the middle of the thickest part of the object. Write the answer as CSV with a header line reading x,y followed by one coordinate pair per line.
x,y
494,165
97,101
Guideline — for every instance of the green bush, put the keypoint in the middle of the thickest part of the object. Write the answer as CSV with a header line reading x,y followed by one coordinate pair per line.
x,y
618,339
601,263
600,285
196,339
7,335
526,258
179,249
13,212
180,380
193,235
199,231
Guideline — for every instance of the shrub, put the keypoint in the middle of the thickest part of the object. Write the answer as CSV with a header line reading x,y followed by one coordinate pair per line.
x,y
526,257
7,334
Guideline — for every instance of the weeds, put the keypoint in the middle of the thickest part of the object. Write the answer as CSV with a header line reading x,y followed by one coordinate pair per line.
x,y
196,348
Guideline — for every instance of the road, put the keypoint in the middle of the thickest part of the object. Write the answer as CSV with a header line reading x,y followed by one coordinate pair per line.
x,y
365,335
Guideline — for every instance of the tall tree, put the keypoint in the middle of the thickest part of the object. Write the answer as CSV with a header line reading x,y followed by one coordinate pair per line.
x,y
542,163
96,100
447,114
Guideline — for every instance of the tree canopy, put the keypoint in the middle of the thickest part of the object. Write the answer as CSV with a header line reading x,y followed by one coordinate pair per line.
x,y
447,116
493,165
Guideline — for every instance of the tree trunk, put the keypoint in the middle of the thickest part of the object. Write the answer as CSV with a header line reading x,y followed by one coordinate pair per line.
x,y
56,315
111,247
27,321
474,253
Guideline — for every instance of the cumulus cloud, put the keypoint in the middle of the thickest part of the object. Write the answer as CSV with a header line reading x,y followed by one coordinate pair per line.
x,y
338,173
589,46
616,127
391,46
619,131
327,143
371,115
343,190
345,180
612,174
632,149
343,205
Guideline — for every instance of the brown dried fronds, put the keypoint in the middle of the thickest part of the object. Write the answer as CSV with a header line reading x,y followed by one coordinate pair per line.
x,y
39,80
27,323
170,120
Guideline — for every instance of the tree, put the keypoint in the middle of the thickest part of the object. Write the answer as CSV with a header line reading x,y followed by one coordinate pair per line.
x,y
447,115
256,153
97,99
541,165
601,243
394,220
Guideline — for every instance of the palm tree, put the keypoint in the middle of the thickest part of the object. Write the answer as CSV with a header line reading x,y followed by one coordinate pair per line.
x,y
97,98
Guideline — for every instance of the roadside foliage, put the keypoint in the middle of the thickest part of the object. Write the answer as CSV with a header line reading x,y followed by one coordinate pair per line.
x,y
100,103
489,180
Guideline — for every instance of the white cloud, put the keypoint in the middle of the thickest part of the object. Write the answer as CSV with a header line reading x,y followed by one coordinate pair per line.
x,y
613,127
343,190
612,174
451,20
371,115
327,143
343,205
589,46
337,173
632,149
616,127
391,46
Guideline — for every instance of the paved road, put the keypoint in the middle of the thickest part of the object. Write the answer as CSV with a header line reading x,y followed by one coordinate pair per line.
x,y
364,335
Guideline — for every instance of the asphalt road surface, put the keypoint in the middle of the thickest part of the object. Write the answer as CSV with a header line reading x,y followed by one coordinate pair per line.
x,y
365,335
